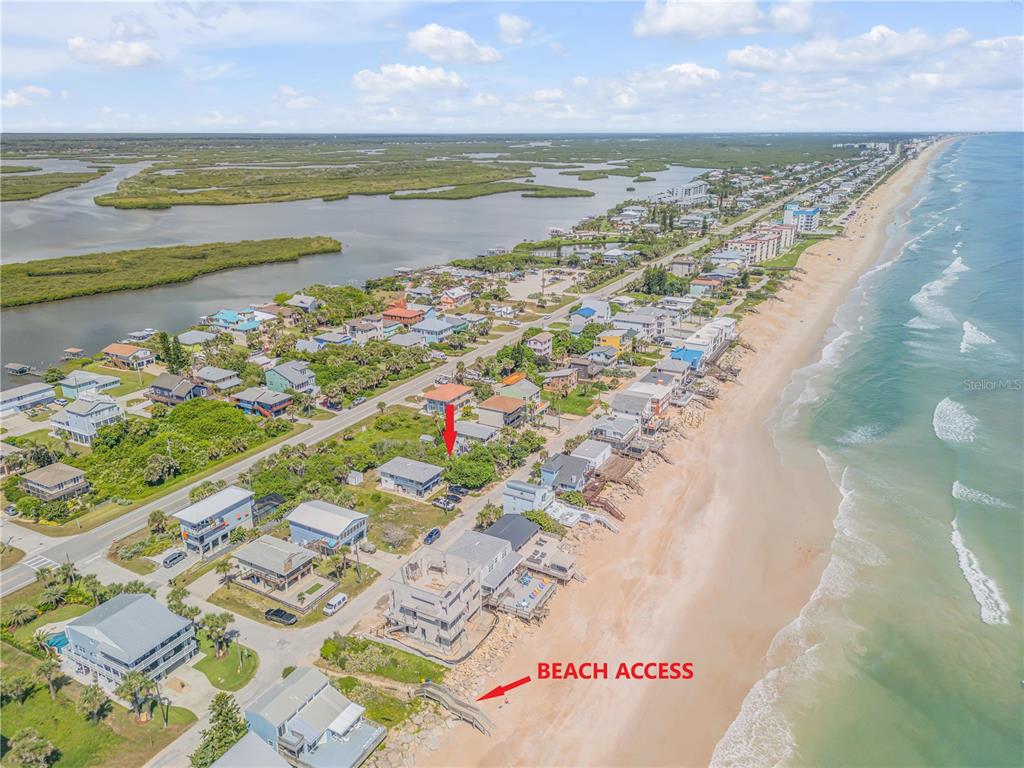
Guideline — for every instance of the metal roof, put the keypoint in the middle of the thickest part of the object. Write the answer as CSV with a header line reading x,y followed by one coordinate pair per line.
x,y
324,516
478,548
591,449
410,469
275,555
213,505
475,430
283,699
128,626
251,752
515,529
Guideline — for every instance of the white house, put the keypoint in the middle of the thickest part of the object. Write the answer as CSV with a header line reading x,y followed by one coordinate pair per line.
x,y
80,420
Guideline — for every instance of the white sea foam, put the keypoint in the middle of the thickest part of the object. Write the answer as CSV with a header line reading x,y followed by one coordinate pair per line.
x,y
862,435
963,493
957,228
924,300
918,323
952,423
973,337
994,609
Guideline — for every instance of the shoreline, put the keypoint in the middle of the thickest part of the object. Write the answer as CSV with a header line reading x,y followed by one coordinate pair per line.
x,y
707,569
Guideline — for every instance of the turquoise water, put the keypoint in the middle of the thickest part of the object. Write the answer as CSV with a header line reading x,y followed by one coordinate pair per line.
x,y
910,651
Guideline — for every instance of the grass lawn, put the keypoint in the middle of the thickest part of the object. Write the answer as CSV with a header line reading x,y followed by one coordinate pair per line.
x,y
503,328
25,633
10,556
109,511
45,439
320,415
131,381
230,672
244,602
415,517
140,565
579,402
349,583
369,657
117,741
789,260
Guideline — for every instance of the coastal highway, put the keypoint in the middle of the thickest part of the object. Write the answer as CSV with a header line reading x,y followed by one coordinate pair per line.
x,y
87,546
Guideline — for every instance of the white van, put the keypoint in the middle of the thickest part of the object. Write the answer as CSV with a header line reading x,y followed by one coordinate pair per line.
x,y
335,604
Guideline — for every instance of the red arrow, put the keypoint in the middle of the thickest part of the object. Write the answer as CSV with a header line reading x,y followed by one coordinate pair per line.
x,y
501,690
449,428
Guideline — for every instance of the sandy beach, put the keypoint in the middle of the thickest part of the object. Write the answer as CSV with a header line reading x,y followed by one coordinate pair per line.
x,y
720,553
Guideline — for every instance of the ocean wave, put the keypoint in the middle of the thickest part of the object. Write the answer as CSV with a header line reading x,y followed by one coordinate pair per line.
x,y
957,228
963,493
924,301
973,336
760,735
918,323
952,423
862,435
994,609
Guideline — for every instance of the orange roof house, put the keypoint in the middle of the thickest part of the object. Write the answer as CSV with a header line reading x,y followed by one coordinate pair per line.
x,y
400,313
502,411
454,394
128,356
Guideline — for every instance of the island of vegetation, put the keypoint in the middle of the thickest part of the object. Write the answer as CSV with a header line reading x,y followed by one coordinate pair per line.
x,y
34,282
27,187
465,191
19,168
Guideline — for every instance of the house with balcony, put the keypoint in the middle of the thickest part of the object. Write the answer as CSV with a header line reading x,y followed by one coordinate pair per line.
x,y
218,379
520,496
26,396
660,395
400,313
127,356
260,401
633,404
433,596
54,482
492,557
563,472
295,375
595,452
437,400
501,411
274,565
311,723
562,380
174,390
206,525
304,303
366,329
522,389
80,381
541,344
455,297
81,419
617,431
645,326
326,527
250,751
128,633
433,330
409,477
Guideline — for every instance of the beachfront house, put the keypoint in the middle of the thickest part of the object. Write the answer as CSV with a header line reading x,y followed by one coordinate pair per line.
x,y
262,401
492,557
515,529
311,723
595,452
617,431
192,341
409,477
456,395
24,397
563,472
128,633
54,482
174,390
633,404
250,751
82,418
520,496
207,524
127,356
501,411
295,375
326,527
660,394
433,596
78,382
218,378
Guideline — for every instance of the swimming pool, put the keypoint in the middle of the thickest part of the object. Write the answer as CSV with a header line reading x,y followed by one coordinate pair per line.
x,y
58,641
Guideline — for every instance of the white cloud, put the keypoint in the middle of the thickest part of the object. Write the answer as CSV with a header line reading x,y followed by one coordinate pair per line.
x,y
293,98
398,78
549,95
447,44
878,46
663,18
116,53
513,29
217,117
580,82
27,96
212,72
485,100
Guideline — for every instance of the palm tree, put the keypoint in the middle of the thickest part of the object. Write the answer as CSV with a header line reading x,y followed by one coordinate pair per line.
x,y
223,568
40,638
157,521
216,627
91,584
67,572
49,671
54,595
21,614
91,702
136,688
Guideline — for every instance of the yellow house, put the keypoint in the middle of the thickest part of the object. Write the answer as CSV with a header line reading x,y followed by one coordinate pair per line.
x,y
613,338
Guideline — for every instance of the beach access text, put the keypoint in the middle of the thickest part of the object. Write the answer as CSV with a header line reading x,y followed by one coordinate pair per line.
x,y
593,670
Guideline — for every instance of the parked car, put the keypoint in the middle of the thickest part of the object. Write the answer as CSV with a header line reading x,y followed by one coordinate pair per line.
x,y
457,490
358,401
281,616
433,535
443,503
438,355
11,510
61,401
173,559
453,498
368,546
335,604
442,380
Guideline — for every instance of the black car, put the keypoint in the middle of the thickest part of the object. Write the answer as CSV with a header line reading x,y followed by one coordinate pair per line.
x,y
281,616
173,559
432,536
457,490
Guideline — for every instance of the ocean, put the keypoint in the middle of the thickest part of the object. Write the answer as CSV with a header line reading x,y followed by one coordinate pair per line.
x,y
911,652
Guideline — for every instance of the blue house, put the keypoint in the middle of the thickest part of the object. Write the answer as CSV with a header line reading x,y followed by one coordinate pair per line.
x,y
433,331
519,497
690,356
78,382
207,524
326,527
333,337
408,476
295,375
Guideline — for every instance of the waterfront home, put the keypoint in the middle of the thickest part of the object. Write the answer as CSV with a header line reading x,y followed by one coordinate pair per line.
x,y
595,452
436,400
562,380
523,389
79,382
757,246
804,219
501,411
693,193
262,401
433,595
274,564
541,344
173,390
617,431
455,297
250,751
421,292
128,633
409,339
54,482
707,343
81,419
206,525
470,432
519,496
284,315
312,724
410,477
633,404
670,365
325,527
295,375
339,338
127,356
492,557
303,302
433,331
515,529
660,395
400,313
192,341
563,472
218,378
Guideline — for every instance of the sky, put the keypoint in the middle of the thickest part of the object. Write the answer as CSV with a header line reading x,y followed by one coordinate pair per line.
x,y
499,67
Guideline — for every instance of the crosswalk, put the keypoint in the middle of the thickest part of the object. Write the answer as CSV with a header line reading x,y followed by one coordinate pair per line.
x,y
38,562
